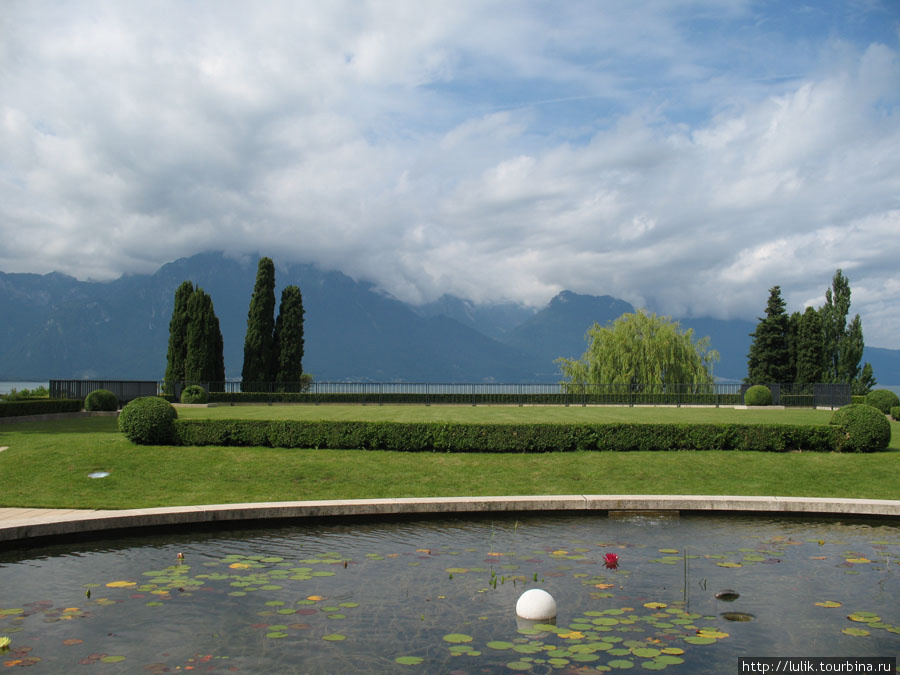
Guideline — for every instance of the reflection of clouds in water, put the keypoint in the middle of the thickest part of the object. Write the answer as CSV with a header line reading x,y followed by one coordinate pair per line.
x,y
402,599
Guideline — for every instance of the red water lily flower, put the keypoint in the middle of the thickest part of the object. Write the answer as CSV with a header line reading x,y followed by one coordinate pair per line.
x,y
611,560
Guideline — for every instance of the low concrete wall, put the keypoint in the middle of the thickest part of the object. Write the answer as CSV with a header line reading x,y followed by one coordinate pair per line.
x,y
41,523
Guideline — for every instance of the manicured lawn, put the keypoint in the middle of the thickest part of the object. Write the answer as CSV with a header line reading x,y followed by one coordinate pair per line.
x,y
47,463
501,414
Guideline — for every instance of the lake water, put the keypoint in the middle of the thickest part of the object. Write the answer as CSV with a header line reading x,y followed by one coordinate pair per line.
x,y
438,596
6,387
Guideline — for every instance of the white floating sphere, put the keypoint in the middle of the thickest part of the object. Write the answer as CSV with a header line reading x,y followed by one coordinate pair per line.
x,y
536,604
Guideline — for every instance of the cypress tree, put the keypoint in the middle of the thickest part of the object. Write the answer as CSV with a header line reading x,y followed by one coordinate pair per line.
x,y
178,336
769,360
259,341
289,337
203,361
810,351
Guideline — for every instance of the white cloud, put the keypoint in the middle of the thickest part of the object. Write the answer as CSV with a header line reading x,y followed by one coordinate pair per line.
x,y
486,149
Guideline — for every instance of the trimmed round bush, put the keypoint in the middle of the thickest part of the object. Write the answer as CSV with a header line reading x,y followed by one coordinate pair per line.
x,y
758,395
194,394
101,399
148,421
895,413
862,428
883,399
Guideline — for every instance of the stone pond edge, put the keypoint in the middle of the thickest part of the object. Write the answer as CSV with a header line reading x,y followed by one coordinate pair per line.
x,y
17,524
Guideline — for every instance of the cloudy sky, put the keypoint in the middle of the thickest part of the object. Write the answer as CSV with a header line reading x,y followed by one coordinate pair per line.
x,y
684,155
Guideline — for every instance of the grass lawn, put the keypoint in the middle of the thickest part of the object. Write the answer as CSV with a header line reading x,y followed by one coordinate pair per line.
x,y
47,463
501,414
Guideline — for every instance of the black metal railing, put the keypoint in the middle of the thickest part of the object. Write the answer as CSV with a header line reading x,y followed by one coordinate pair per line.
x,y
428,393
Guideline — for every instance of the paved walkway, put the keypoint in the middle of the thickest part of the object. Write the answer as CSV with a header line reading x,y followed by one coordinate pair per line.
x,y
19,523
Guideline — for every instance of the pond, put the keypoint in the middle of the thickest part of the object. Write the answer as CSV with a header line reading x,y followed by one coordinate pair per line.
x,y
688,594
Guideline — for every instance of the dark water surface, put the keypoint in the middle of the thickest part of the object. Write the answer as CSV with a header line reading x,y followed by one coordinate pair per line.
x,y
356,597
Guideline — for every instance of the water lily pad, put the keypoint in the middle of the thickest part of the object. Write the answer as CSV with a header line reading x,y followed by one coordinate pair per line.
x,y
275,635
857,632
864,617
121,584
518,665
699,640
654,665
828,603
334,637
456,638
112,659
645,652
408,660
621,664
500,644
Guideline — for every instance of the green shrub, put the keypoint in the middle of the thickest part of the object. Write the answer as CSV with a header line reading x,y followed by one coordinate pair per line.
x,y
858,399
45,406
101,399
861,428
883,399
895,413
758,395
194,394
148,421
451,437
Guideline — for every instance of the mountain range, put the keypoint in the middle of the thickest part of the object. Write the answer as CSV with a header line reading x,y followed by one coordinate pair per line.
x,y
55,326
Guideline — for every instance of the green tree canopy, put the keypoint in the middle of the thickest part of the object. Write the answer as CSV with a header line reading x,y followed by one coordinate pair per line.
x,y
259,341
769,360
809,353
843,344
642,350
178,334
289,337
204,360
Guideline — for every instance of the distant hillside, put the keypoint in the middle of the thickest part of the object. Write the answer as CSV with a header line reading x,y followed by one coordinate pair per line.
x,y
55,326
58,327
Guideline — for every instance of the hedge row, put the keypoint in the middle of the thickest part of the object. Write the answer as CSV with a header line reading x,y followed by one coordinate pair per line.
x,y
484,399
443,437
42,406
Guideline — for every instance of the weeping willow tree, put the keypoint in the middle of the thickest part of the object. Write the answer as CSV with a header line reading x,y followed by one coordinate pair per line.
x,y
644,351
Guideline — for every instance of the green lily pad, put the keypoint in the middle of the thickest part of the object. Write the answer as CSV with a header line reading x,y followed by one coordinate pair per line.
x,y
334,637
857,632
864,617
276,635
518,665
408,660
645,652
500,644
698,640
112,659
457,638
654,665
621,664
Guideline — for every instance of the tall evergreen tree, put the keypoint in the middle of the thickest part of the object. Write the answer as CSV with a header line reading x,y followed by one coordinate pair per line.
x,y
178,335
259,341
289,337
834,325
204,359
769,360
810,351
843,344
